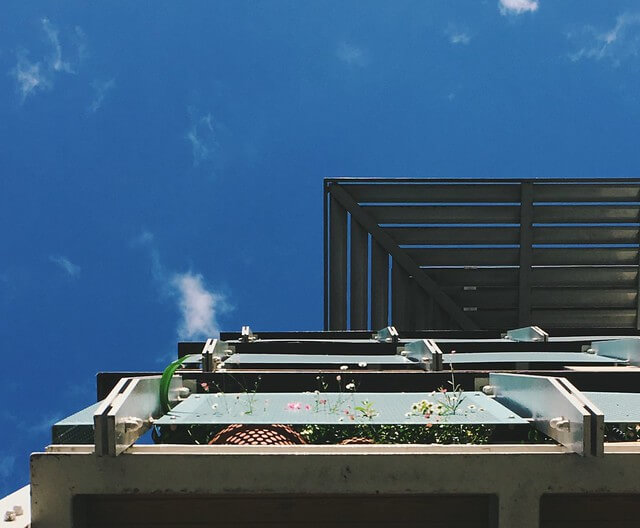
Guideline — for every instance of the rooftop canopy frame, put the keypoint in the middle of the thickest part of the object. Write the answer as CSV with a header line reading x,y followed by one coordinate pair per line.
x,y
481,254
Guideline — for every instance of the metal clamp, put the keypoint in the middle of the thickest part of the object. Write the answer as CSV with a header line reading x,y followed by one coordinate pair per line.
x,y
246,336
387,335
425,352
555,407
213,353
627,349
128,412
528,333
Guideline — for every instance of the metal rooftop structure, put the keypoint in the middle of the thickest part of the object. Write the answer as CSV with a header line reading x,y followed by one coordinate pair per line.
x,y
480,367
481,254
535,430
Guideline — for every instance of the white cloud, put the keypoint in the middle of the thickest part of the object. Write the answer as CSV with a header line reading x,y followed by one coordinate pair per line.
x,y
203,138
352,55
198,306
459,38
457,35
32,77
101,89
29,76
620,42
55,61
65,264
517,7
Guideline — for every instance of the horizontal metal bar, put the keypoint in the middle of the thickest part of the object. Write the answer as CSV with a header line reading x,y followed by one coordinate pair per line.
x,y
588,298
436,192
616,318
585,213
579,192
585,256
433,214
586,277
464,256
585,235
454,235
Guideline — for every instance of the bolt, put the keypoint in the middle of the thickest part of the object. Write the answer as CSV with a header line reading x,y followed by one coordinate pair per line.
x,y
9,516
18,510
489,390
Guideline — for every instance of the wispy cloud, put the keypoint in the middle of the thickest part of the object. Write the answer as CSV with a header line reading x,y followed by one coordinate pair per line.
x,y
198,304
617,44
101,88
203,137
32,77
352,55
66,265
55,61
517,7
457,36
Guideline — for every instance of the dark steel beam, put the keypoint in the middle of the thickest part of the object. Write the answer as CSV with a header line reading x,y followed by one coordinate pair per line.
x,y
359,301
426,283
526,259
379,285
337,266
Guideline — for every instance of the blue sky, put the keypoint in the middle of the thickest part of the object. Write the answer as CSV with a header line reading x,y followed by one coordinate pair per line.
x,y
162,162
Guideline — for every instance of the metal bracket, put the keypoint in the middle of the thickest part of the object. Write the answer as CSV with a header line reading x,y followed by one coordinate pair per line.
x,y
214,352
247,335
128,412
627,349
528,333
425,352
387,335
555,407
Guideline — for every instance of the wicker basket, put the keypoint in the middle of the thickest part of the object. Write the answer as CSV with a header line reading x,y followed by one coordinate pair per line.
x,y
276,434
356,440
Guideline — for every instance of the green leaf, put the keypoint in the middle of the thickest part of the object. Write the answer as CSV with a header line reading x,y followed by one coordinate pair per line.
x,y
165,383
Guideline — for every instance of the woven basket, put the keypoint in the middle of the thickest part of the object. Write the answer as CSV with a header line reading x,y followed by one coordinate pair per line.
x,y
276,434
356,440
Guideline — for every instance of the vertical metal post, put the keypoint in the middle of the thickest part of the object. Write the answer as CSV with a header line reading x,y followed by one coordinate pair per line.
x,y
359,276
325,233
526,251
400,285
337,266
379,285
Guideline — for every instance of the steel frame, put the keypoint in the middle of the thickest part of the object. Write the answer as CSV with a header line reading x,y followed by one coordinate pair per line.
x,y
413,278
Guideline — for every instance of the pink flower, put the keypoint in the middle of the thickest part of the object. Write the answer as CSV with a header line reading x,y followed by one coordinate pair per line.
x,y
307,407
323,402
294,406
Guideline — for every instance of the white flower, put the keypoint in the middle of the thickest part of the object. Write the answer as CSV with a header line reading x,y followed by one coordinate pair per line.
x,y
362,364
350,386
316,392
408,414
340,419
214,406
344,367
